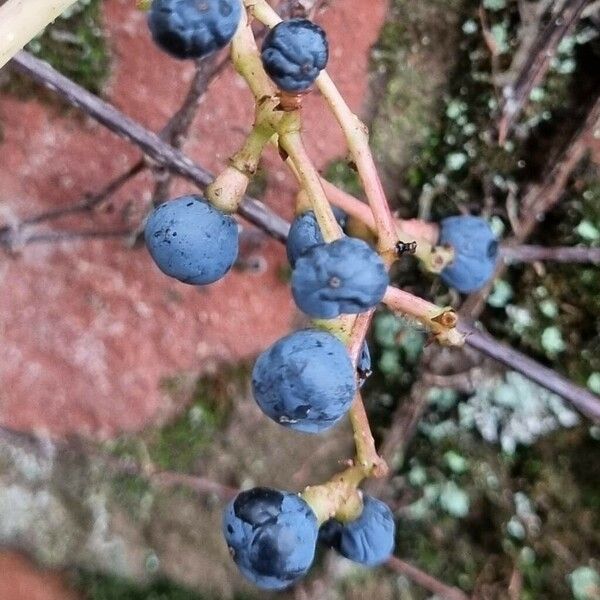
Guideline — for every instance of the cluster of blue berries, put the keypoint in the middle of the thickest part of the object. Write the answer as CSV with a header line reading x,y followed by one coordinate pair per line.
x,y
306,380
272,535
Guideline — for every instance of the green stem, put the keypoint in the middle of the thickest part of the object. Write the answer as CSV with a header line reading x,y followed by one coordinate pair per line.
x,y
227,191
291,141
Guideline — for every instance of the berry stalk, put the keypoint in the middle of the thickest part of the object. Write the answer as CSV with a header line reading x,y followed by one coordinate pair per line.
x,y
248,63
424,233
367,456
441,321
292,143
357,136
227,191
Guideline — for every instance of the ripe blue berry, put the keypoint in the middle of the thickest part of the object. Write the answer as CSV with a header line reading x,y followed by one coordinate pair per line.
x,y
191,240
305,233
271,535
305,381
475,252
369,540
345,276
193,28
294,53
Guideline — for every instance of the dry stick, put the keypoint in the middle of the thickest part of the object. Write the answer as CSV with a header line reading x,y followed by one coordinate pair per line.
x,y
179,124
173,133
582,399
159,151
425,580
7,232
562,254
542,51
251,209
14,241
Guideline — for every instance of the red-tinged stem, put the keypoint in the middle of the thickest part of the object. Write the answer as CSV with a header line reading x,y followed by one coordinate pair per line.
x,y
357,136
441,321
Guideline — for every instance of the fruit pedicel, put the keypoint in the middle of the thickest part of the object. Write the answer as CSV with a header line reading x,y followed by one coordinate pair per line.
x,y
310,379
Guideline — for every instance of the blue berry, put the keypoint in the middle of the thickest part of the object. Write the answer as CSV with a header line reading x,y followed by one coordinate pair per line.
x,y
191,240
369,540
193,28
305,381
475,252
271,535
345,276
305,233
294,53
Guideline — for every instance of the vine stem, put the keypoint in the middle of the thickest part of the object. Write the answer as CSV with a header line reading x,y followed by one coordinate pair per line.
x,y
22,20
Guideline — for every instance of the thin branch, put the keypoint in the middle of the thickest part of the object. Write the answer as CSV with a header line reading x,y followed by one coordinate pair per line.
x,y
582,399
525,253
156,149
15,240
538,61
179,124
251,209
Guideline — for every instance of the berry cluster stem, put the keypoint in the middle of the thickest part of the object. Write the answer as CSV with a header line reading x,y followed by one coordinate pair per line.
x,y
357,137
227,191
366,453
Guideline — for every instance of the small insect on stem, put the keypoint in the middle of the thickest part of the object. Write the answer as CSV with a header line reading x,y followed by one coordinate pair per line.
x,y
406,248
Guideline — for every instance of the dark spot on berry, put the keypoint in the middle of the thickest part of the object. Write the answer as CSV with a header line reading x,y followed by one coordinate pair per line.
x,y
258,506
492,249
225,8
